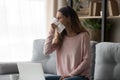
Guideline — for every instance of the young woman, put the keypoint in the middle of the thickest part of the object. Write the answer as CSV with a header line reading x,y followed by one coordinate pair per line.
x,y
72,47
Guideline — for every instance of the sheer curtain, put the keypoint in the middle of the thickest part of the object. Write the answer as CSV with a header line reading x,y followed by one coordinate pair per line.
x,y
21,22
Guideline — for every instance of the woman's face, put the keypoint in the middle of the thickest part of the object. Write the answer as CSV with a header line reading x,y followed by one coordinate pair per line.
x,y
63,19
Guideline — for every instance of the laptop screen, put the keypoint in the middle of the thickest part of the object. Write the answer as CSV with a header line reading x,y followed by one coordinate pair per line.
x,y
30,71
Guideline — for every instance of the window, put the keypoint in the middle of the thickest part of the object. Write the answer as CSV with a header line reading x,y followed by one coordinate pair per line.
x,y
21,22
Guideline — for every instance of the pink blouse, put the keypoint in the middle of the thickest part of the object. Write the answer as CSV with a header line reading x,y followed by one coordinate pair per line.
x,y
73,58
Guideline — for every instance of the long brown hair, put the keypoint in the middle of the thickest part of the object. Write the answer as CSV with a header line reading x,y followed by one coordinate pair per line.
x,y
75,23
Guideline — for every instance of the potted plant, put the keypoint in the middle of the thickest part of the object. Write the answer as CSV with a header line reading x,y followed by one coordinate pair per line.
x,y
94,28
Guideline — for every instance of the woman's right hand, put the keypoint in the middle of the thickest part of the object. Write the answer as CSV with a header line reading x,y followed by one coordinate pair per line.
x,y
53,26
56,35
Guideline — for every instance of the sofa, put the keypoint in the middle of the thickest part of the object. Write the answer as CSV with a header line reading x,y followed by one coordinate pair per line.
x,y
105,62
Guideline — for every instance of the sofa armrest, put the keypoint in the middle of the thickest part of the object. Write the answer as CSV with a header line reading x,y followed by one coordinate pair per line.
x,y
107,61
8,68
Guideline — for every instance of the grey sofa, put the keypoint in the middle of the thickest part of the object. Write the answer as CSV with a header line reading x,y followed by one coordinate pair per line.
x,y
105,59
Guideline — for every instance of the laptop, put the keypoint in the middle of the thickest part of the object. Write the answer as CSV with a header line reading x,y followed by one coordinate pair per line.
x,y
30,71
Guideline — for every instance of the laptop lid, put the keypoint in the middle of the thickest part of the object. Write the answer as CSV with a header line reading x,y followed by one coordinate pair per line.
x,y
30,71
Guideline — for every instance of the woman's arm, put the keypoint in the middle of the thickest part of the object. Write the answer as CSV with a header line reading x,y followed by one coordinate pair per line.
x,y
49,45
85,64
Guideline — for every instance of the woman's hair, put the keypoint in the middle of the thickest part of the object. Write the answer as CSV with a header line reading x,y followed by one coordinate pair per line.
x,y
75,23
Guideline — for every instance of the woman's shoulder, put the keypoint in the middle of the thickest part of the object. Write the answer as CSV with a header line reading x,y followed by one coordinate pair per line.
x,y
83,34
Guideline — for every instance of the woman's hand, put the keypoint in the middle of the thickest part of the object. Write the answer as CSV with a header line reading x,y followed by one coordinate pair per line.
x,y
56,35
53,26
63,77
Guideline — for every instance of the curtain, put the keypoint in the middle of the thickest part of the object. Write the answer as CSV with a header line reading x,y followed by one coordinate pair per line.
x,y
51,11
21,22
52,7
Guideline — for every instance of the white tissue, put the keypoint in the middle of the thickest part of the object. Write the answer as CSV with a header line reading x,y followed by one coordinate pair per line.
x,y
55,21
60,27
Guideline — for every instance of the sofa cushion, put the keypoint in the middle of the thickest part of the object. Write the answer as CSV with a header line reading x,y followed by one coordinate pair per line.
x,y
48,62
38,51
50,66
8,68
50,75
14,77
5,77
107,66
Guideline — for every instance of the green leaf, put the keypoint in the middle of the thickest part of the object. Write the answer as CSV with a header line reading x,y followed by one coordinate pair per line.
x,y
96,24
